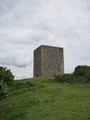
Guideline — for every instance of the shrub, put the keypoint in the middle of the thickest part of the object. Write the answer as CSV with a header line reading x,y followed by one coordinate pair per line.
x,y
81,70
6,75
81,74
87,76
65,78
69,78
6,79
3,90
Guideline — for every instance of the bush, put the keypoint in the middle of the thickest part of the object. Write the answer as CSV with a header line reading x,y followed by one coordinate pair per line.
x,y
81,70
6,75
87,76
65,78
81,74
6,79
69,78
3,90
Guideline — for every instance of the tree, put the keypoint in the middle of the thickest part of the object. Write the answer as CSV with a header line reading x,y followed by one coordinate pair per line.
x,y
81,70
6,78
6,75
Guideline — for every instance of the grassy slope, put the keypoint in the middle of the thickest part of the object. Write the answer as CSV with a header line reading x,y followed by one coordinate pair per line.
x,y
46,100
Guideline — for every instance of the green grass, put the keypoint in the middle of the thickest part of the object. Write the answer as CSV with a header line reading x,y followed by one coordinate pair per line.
x,y
44,99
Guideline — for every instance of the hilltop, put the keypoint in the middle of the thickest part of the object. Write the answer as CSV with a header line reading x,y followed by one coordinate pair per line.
x,y
44,99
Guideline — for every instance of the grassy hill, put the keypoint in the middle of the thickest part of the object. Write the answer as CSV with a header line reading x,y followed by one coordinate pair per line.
x,y
44,99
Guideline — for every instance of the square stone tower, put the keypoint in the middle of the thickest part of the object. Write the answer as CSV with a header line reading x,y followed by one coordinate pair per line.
x,y
48,61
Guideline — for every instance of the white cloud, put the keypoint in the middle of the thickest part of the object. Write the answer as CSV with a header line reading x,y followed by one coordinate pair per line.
x,y
26,24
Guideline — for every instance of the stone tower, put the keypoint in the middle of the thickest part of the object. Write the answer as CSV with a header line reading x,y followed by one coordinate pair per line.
x,y
48,61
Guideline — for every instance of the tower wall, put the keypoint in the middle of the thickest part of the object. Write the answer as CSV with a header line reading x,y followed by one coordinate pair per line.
x,y
37,62
48,61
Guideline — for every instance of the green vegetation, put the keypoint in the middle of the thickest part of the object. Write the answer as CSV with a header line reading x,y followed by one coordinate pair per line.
x,y
6,79
64,97
43,98
81,70
70,78
6,75
81,74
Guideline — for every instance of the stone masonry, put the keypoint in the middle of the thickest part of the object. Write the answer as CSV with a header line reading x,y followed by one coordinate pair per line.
x,y
48,61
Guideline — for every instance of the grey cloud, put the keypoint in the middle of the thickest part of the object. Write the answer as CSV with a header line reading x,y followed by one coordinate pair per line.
x,y
18,59
26,24
6,6
14,62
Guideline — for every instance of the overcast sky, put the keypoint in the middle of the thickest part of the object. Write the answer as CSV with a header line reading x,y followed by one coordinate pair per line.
x,y
27,24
